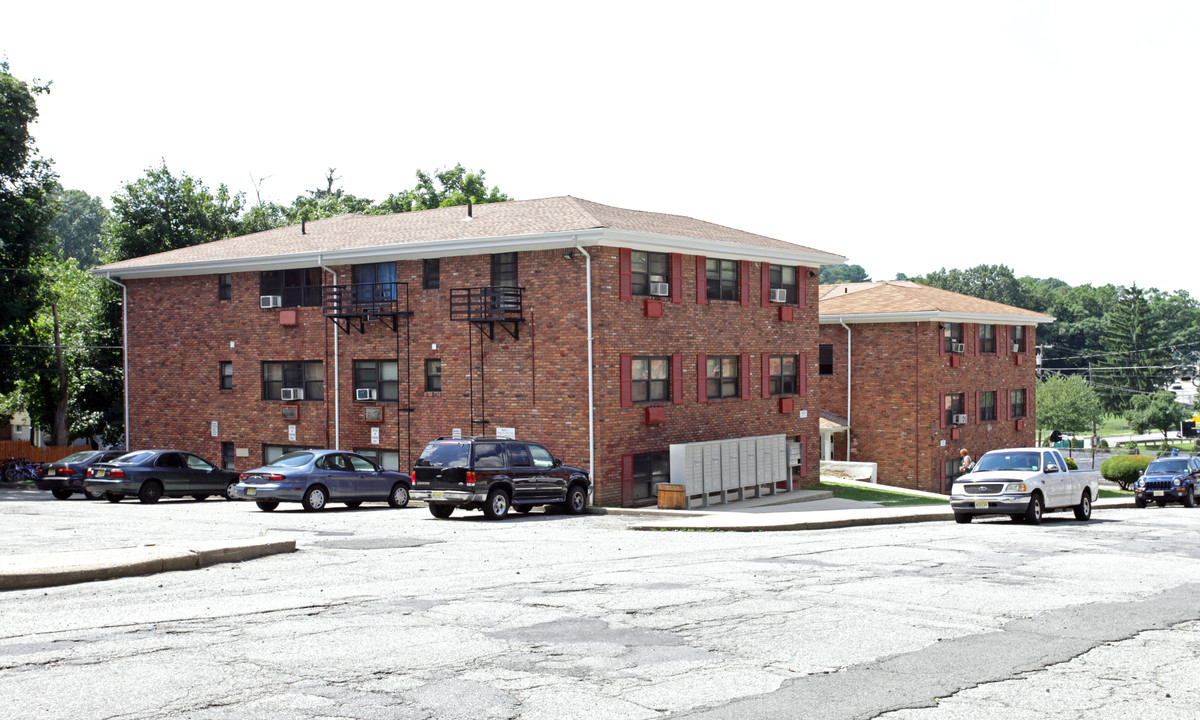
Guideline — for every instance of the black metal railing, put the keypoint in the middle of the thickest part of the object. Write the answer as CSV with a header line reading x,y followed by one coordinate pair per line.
x,y
487,304
364,299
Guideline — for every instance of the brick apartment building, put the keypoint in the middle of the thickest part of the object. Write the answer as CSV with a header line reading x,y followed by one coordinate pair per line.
x,y
380,333
929,372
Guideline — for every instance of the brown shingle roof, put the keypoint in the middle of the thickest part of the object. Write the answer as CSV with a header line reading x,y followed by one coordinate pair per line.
x,y
493,220
909,298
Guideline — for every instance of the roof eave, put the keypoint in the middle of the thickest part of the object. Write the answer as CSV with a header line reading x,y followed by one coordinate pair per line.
x,y
932,316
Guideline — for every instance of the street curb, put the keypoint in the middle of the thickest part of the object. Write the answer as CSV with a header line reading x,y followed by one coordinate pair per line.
x,y
21,572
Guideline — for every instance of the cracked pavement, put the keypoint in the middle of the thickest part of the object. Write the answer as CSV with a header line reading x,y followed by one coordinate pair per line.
x,y
392,614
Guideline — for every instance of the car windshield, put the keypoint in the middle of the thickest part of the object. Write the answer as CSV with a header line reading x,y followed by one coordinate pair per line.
x,y
292,459
1008,461
1168,466
134,457
78,457
445,454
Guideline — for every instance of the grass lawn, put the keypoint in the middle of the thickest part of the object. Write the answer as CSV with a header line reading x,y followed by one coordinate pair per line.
x,y
1106,493
883,497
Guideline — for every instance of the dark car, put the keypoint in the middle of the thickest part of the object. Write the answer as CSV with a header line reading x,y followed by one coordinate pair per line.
x,y
66,477
315,478
1168,479
494,474
152,474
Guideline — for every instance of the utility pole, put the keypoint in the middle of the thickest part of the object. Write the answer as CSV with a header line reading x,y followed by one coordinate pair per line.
x,y
60,406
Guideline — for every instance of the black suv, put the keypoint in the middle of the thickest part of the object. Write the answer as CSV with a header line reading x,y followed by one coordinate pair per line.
x,y
495,474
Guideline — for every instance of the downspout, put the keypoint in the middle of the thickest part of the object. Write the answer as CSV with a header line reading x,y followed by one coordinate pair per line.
x,y
849,378
590,370
124,347
337,378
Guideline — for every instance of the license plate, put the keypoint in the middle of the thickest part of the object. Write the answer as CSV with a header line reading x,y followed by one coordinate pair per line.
x,y
251,491
437,495
1159,493
980,505
99,473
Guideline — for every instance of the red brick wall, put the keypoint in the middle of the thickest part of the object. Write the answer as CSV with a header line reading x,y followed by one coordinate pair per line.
x,y
179,333
899,376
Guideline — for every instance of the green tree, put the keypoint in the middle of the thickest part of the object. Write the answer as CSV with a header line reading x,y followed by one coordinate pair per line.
x,y
988,282
445,188
1076,337
77,226
834,274
1155,411
162,212
1137,360
1067,403
27,184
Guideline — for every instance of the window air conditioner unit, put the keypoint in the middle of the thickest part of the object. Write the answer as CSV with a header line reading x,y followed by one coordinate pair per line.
x,y
1017,347
269,301
291,394
959,419
958,348
779,295
364,394
660,289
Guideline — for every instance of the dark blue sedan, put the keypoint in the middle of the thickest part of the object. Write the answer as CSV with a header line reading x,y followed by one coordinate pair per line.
x,y
315,478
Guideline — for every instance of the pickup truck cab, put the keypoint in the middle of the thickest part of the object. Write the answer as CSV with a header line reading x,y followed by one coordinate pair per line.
x,y
1168,479
1022,483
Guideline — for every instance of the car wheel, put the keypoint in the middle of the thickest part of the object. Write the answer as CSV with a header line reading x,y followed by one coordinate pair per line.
x,y
314,498
91,495
399,496
229,494
1083,511
523,509
150,492
441,511
962,518
61,494
353,503
199,498
113,497
1033,515
576,500
497,505
1189,500
1139,502
267,505
1016,517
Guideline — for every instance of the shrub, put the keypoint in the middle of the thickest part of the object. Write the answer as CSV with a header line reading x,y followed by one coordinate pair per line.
x,y
1103,443
1071,464
1124,469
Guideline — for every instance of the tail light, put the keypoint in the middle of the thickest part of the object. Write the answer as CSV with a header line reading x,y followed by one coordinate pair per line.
x,y
470,477
116,473
90,473
66,471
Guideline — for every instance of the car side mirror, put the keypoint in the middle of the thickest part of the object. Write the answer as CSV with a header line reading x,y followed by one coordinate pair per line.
x,y
557,462
1051,468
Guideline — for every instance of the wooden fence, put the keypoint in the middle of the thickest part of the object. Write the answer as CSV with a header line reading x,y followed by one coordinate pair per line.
x,y
22,449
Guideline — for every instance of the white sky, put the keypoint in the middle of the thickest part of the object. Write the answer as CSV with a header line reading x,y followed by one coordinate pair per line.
x,y
1058,138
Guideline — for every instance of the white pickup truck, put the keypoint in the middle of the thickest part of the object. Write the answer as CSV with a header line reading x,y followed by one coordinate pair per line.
x,y
1022,483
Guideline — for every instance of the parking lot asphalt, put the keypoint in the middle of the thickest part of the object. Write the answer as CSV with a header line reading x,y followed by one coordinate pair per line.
x,y
794,511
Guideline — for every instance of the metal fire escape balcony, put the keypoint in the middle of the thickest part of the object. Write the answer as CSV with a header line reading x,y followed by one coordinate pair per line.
x,y
354,305
488,307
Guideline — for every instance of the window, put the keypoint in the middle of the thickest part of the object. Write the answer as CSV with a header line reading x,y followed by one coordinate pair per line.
x,y
271,453
987,338
375,282
987,406
953,406
1017,333
1016,399
722,279
650,469
952,333
228,456
226,376
782,375
433,375
541,456
382,376
432,274
825,360
504,270
224,286
307,376
783,277
723,376
387,459
952,471
649,267
651,379
298,287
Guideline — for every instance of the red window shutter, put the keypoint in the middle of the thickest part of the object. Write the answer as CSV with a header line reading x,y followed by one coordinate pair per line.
x,y
626,257
745,373
1029,339
804,455
627,479
802,370
677,379
744,281
966,398
766,376
626,380
1029,403
701,378
941,339
802,286
765,285
1002,406
676,277
942,410
978,406
701,280
1002,338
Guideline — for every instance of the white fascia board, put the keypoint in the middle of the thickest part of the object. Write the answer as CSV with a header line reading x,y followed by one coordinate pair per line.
x,y
934,316
711,248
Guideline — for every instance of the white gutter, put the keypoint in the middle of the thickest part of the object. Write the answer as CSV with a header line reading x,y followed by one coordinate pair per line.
x,y
935,316
590,370
849,383
337,378
124,349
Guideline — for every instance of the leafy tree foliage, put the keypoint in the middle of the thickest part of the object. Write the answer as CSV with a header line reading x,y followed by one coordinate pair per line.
x,y
1156,411
1067,403
1135,340
77,226
835,274
989,282
27,183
